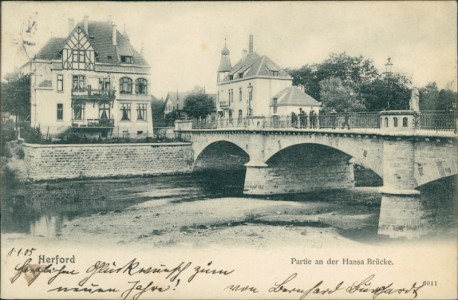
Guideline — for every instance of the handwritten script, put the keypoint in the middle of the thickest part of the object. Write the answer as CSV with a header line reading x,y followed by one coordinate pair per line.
x,y
133,279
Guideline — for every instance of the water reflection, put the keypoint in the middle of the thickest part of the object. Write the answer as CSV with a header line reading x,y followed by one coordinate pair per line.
x,y
42,209
47,226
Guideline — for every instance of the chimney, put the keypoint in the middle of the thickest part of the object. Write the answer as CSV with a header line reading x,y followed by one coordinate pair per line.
x,y
71,25
244,54
114,37
250,48
86,25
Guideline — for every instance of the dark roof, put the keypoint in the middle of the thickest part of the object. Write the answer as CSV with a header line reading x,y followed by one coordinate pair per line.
x,y
177,98
100,37
51,49
294,96
255,65
225,62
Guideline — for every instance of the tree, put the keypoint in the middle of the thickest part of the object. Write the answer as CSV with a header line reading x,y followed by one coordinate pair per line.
x,y
157,107
369,88
335,95
15,95
171,117
429,96
447,100
306,77
198,105
353,71
389,92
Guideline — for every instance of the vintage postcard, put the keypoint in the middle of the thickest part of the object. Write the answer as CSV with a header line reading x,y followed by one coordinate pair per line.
x,y
229,150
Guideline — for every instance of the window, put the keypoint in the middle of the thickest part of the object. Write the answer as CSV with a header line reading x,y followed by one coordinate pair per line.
x,y
275,102
240,75
104,111
125,111
104,84
126,59
240,116
240,94
141,111
141,86
230,116
231,77
250,92
404,122
231,95
125,85
386,122
79,56
78,111
274,73
60,112
79,82
60,82
395,122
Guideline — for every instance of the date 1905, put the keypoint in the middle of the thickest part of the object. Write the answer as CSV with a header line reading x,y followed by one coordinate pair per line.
x,y
21,252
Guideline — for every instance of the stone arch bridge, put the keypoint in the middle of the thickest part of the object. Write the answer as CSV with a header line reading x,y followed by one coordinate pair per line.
x,y
290,160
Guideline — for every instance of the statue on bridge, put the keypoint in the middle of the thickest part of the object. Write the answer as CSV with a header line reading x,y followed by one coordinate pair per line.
x,y
414,102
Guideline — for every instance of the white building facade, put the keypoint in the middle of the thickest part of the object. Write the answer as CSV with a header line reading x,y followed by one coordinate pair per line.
x,y
245,89
257,87
93,83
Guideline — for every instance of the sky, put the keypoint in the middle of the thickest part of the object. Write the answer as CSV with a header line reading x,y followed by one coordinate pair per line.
x,y
182,41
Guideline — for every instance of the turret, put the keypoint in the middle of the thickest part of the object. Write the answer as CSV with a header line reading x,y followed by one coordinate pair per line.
x,y
224,64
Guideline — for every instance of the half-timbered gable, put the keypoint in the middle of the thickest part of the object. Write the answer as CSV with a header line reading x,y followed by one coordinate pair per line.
x,y
92,83
78,53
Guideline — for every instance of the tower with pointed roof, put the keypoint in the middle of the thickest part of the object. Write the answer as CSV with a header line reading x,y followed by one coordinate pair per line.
x,y
246,89
224,64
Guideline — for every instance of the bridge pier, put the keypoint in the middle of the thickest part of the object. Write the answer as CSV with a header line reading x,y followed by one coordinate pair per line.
x,y
300,174
402,213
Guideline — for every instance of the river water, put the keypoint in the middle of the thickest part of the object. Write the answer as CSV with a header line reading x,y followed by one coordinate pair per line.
x,y
43,209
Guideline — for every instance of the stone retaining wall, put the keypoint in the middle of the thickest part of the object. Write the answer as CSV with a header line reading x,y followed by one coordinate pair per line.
x,y
47,162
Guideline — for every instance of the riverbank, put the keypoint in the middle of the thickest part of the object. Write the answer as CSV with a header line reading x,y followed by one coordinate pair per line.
x,y
146,212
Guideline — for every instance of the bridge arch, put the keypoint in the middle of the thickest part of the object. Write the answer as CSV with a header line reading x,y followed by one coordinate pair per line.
x,y
221,155
199,144
365,152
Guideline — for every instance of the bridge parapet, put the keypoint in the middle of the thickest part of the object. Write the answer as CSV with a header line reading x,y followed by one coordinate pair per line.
x,y
405,121
399,121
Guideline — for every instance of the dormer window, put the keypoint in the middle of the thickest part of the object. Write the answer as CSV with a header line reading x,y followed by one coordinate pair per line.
x,y
231,77
274,73
240,75
126,59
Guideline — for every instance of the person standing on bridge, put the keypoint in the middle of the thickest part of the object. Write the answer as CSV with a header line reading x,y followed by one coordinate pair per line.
x,y
312,118
293,120
302,118
334,118
346,119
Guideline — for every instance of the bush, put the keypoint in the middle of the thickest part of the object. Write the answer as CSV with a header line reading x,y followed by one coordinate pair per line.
x,y
8,134
30,134
20,153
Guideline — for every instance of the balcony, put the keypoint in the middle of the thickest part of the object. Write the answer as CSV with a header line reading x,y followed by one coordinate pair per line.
x,y
132,96
90,94
224,104
93,123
